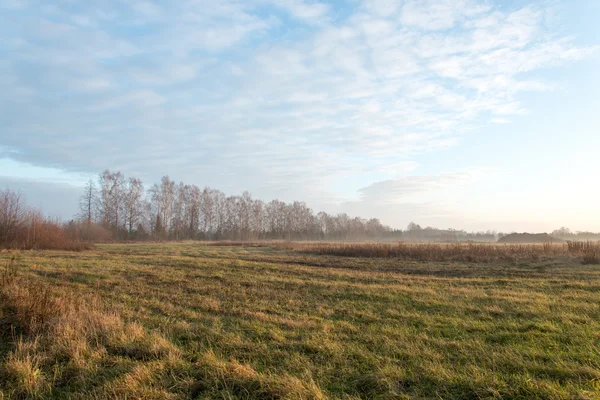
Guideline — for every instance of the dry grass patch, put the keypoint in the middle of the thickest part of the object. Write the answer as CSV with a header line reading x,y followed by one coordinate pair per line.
x,y
63,339
231,379
186,320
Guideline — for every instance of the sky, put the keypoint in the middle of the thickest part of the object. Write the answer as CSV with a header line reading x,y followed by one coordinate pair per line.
x,y
471,114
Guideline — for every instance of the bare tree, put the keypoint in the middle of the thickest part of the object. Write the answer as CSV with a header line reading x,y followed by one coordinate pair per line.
x,y
162,198
185,212
87,202
117,200
134,205
193,208
110,203
12,211
103,202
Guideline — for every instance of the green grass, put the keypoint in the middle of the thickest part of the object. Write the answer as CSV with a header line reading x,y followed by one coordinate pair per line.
x,y
187,320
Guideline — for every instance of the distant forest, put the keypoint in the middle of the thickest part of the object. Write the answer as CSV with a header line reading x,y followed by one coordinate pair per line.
x,y
118,208
171,211
179,211
414,232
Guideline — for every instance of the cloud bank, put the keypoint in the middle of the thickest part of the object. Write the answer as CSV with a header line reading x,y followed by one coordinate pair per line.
x,y
284,98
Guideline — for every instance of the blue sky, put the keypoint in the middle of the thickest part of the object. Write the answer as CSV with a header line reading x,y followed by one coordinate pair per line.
x,y
453,113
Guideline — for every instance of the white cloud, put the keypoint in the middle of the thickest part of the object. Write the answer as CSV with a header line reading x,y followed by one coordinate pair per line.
x,y
146,9
91,85
166,74
310,11
134,99
439,14
401,189
229,93
383,8
399,168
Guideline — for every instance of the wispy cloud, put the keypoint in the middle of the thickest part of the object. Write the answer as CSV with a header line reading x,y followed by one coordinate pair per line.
x,y
279,97
403,188
437,15
310,12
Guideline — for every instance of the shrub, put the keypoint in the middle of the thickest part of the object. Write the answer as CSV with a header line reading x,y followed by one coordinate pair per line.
x,y
22,227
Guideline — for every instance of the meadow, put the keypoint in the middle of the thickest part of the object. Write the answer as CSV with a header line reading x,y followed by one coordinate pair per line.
x,y
301,321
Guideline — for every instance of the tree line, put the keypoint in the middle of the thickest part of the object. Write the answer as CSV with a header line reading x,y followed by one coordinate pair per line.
x,y
414,232
179,211
567,234
118,208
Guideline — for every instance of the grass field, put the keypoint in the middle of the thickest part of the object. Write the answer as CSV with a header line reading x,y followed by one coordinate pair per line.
x,y
186,320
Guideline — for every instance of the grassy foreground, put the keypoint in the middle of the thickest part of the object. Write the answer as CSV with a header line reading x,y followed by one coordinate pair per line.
x,y
185,320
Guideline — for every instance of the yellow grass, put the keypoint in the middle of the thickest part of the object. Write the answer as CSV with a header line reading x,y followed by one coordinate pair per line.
x,y
300,321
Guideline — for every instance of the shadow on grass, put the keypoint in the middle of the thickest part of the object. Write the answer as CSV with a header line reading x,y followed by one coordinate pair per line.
x,y
10,331
376,385
443,269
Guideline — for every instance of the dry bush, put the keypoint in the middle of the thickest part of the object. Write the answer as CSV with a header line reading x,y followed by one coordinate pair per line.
x,y
591,257
22,227
88,232
44,234
588,250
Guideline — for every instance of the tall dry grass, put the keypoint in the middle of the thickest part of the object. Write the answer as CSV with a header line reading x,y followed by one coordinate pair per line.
x,y
589,250
586,252
61,338
467,252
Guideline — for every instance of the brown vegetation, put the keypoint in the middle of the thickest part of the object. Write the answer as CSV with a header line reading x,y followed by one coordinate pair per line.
x,y
186,320
590,251
60,337
22,227
587,252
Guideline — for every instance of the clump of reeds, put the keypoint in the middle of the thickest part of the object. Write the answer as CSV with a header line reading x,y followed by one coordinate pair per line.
x,y
469,252
588,250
